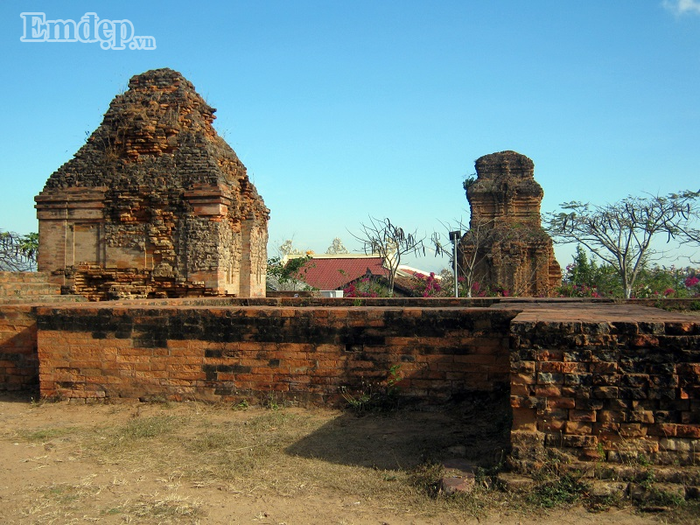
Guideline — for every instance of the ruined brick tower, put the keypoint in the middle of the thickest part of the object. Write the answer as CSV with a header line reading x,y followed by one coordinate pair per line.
x,y
506,247
154,204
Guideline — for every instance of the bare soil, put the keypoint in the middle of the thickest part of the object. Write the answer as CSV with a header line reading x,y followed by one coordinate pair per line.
x,y
194,463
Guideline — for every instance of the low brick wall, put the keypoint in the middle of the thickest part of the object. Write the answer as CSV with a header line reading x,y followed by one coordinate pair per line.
x,y
19,365
589,380
620,390
303,354
23,287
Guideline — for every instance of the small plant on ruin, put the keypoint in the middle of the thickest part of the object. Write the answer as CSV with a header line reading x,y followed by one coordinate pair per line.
x,y
653,497
395,377
271,401
564,490
427,478
375,396
359,401
556,485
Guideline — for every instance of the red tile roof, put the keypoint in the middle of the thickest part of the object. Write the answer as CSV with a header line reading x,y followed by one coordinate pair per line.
x,y
334,273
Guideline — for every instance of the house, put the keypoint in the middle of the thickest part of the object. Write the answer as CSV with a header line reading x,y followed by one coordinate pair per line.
x,y
357,274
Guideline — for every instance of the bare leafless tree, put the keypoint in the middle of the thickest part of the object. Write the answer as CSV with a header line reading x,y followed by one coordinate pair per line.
x,y
470,255
621,233
18,252
389,241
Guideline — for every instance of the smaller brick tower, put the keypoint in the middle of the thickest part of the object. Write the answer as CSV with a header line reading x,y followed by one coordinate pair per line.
x,y
506,247
155,204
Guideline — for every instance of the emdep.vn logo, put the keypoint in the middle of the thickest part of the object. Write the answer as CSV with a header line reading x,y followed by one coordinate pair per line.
x,y
111,34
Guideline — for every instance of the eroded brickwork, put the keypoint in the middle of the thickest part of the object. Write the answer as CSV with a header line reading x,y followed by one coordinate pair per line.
x,y
26,286
19,364
620,391
154,204
506,247
588,380
298,354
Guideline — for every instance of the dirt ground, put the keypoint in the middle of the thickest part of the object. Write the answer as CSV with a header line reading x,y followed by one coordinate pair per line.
x,y
193,463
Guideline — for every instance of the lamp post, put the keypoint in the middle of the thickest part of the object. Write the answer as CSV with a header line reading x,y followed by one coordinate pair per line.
x,y
454,237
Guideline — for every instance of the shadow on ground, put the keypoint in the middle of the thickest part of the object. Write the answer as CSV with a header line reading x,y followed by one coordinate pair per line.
x,y
476,428
25,396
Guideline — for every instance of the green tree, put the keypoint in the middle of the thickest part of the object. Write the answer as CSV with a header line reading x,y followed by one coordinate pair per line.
x,y
289,274
584,277
582,271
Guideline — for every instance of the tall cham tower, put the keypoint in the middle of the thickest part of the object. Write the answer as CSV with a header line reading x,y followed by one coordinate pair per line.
x,y
154,204
506,247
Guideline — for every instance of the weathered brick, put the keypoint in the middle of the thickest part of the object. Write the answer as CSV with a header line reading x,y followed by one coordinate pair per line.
x,y
633,430
581,442
561,402
524,401
578,428
524,419
562,367
582,415
547,391
549,378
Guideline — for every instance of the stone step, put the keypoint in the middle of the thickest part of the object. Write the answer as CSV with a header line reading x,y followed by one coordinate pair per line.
x,y
43,299
23,277
24,289
20,285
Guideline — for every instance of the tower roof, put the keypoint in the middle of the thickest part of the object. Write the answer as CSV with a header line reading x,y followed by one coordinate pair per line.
x,y
157,134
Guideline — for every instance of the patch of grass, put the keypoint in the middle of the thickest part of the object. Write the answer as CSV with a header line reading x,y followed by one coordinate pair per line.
x,y
655,497
164,509
563,491
286,452
660,498
604,503
44,434
688,512
144,428
427,478
236,449
146,440
66,494
380,396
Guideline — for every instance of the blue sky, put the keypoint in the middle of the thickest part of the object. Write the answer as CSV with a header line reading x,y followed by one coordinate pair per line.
x,y
341,109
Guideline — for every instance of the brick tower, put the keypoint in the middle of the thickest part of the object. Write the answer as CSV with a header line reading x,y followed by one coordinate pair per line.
x,y
506,247
155,204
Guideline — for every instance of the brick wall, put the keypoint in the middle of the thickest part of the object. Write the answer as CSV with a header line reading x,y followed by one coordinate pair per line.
x,y
19,366
616,391
26,286
304,354
626,388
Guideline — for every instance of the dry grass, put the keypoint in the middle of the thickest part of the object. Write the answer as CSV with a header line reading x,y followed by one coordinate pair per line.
x,y
178,463
288,452
259,451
